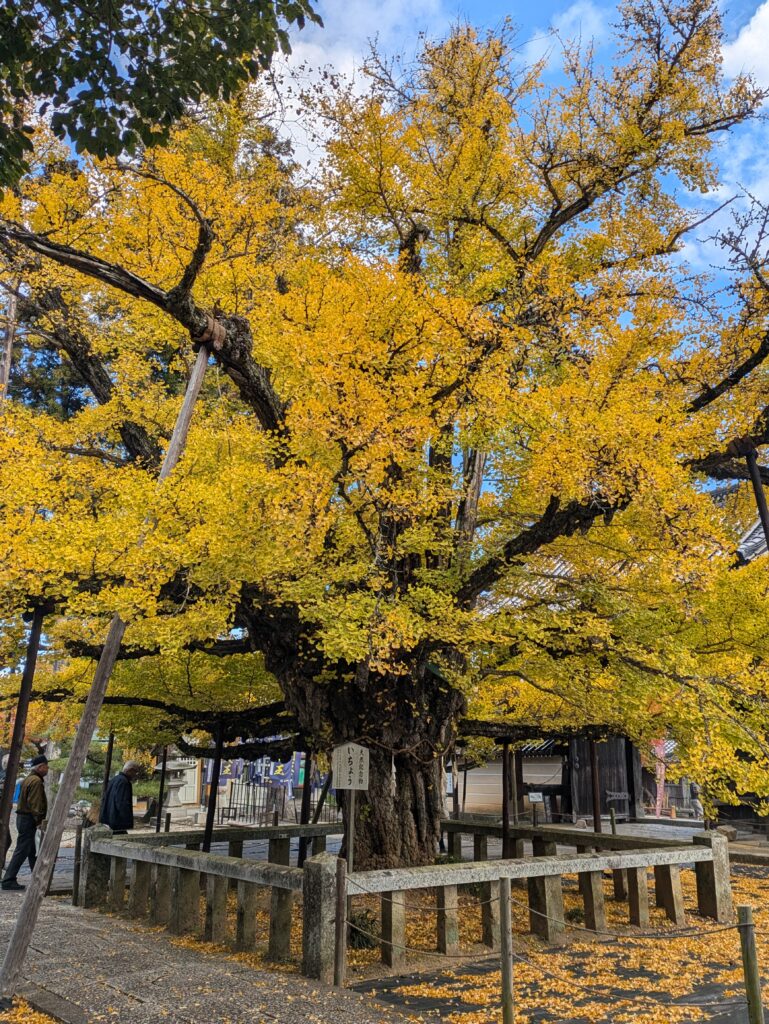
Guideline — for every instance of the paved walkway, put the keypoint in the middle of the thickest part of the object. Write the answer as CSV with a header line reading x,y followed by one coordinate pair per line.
x,y
91,968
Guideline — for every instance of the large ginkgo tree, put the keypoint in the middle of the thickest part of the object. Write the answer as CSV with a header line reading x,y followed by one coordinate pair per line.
x,y
465,444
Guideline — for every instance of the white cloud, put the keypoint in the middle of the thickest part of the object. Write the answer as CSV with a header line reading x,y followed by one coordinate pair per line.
x,y
583,20
748,52
350,28
342,46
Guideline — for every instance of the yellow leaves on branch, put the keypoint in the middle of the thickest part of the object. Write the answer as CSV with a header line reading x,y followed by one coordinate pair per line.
x,y
455,355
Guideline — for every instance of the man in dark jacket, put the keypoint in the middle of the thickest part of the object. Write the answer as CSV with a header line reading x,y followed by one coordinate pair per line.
x,y
30,815
117,809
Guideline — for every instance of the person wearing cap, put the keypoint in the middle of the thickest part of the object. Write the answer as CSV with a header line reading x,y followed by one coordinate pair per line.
x,y
117,808
30,815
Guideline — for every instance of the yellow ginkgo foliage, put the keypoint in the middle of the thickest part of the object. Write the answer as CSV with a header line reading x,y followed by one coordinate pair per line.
x,y
463,445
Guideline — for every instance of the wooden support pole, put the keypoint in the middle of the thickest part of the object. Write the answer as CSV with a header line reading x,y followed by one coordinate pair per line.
x,y
516,784
106,772
30,908
19,728
214,791
304,812
750,965
162,793
506,928
596,783
618,877
506,801
321,800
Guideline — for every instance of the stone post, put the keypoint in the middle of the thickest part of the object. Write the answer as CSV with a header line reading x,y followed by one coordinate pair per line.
x,y
490,914
160,904
667,884
393,928
94,870
185,901
546,898
543,847
245,921
139,894
281,901
454,846
215,927
234,849
714,891
620,885
117,879
591,888
489,897
319,909
658,885
638,896
448,919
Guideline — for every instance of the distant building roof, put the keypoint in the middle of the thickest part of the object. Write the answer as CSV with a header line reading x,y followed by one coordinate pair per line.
x,y
752,543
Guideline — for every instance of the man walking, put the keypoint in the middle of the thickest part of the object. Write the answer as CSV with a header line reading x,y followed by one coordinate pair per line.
x,y
117,808
30,814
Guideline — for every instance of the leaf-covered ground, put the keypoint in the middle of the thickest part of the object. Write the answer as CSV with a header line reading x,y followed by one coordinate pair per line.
x,y
670,978
616,980
22,1013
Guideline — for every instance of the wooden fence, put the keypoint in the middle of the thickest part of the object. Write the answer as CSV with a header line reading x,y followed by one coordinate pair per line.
x,y
154,876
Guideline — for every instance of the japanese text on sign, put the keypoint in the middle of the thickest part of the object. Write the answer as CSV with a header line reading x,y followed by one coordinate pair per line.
x,y
350,766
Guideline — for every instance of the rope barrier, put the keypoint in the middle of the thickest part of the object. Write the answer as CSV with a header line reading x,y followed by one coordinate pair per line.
x,y
681,933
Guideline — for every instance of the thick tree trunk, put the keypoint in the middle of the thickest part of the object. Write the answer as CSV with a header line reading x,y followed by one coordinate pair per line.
x,y
397,822
407,722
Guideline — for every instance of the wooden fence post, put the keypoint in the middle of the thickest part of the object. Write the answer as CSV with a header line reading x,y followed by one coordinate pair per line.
x,y
750,965
506,938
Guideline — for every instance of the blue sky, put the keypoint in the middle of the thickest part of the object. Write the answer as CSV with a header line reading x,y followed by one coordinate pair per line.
x,y
350,23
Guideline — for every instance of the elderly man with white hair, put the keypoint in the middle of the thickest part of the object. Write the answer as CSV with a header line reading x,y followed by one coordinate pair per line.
x,y
117,809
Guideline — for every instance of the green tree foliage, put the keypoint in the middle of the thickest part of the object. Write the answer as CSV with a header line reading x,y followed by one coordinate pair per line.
x,y
117,76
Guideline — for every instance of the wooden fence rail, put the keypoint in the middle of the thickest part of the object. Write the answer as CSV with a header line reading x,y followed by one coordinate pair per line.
x,y
165,881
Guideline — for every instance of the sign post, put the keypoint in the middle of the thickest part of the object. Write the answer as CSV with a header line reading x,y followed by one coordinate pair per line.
x,y
349,766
